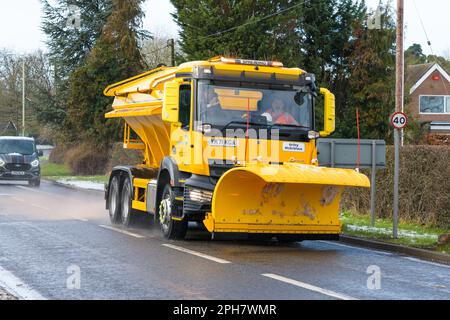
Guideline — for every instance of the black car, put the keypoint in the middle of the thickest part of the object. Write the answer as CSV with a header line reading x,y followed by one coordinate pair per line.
x,y
19,160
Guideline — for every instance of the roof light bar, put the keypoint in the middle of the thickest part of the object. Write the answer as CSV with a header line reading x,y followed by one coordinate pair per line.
x,y
252,62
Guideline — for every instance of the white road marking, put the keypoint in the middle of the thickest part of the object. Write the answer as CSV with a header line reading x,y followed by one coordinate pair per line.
x,y
28,189
17,287
36,190
195,253
309,287
18,199
358,248
81,219
122,231
427,262
4,195
40,207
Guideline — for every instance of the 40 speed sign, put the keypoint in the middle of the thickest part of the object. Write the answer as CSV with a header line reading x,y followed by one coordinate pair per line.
x,y
399,120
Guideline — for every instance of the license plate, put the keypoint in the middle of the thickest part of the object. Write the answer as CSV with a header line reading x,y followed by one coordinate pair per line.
x,y
17,173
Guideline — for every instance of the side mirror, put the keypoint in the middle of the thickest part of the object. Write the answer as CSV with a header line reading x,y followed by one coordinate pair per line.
x,y
170,109
329,115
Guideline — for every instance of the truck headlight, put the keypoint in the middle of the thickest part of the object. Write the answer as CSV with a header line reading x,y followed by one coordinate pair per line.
x,y
35,163
313,135
198,195
2,163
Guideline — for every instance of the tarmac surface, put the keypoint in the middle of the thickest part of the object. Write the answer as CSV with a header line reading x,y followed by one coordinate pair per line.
x,y
58,243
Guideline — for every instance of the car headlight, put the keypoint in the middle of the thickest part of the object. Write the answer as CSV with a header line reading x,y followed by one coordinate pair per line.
x,y
35,163
2,163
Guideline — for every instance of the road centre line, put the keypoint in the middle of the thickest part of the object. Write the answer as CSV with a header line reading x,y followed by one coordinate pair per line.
x,y
195,253
40,207
308,286
17,287
26,188
122,231
17,199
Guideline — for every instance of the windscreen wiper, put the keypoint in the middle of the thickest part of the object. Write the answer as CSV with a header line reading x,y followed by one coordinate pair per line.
x,y
244,122
288,125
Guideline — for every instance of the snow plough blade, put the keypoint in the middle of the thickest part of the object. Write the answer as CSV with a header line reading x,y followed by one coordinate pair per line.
x,y
281,199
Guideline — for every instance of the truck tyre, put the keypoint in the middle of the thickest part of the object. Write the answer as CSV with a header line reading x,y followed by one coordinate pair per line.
x,y
126,202
171,229
114,200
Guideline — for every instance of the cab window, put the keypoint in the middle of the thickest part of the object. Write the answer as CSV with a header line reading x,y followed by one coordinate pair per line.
x,y
185,105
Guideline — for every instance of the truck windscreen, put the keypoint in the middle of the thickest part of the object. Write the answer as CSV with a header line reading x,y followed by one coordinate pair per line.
x,y
220,105
24,147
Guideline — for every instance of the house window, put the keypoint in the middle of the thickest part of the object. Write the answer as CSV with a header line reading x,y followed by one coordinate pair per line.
x,y
447,104
434,104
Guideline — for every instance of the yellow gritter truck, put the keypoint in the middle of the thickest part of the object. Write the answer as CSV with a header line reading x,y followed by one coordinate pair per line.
x,y
231,144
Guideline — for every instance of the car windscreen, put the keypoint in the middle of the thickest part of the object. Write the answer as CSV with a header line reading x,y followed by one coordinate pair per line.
x,y
25,147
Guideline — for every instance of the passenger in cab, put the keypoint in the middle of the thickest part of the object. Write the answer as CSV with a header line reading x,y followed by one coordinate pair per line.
x,y
279,114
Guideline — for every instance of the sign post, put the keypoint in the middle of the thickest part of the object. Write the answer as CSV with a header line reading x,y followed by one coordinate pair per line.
x,y
399,120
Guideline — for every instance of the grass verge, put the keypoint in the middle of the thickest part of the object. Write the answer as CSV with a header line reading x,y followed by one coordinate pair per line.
x,y
55,171
410,234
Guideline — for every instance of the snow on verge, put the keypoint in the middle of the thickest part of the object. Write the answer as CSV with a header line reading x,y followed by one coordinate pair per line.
x,y
89,185
403,233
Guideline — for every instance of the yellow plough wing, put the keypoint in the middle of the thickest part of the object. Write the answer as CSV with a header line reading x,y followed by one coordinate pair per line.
x,y
281,199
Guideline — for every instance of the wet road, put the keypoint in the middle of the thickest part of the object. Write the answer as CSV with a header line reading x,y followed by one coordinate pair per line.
x,y
58,243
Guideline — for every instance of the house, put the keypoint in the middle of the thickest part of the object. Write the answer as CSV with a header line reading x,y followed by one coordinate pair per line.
x,y
429,89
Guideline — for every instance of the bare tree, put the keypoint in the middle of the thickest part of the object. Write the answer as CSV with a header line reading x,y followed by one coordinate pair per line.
x,y
157,50
39,93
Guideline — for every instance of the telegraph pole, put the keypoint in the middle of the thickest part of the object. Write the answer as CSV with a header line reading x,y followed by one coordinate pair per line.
x,y
171,44
23,97
398,107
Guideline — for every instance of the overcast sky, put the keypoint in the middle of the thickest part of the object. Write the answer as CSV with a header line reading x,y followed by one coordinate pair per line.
x,y
20,23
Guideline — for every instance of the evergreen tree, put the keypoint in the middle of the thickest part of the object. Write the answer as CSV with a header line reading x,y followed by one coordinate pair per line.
x,y
414,55
249,33
115,56
372,82
69,45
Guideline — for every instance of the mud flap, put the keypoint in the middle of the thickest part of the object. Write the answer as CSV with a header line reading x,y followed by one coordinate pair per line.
x,y
281,199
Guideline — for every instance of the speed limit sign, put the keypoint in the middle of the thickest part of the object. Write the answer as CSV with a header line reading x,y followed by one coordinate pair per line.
x,y
399,120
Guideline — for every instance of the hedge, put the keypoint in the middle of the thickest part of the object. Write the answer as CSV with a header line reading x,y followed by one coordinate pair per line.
x,y
424,187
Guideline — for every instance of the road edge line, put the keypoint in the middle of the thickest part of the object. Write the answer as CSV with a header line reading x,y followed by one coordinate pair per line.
x,y
16,287
423,254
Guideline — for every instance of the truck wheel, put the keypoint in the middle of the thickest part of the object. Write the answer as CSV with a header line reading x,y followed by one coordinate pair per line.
x,y
171,229
114,200
126,209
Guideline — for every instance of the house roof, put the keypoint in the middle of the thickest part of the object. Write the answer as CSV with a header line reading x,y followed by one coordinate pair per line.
x,y
418,73
415,72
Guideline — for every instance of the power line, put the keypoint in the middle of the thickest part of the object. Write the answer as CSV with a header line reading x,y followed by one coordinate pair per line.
x,y
156,50
254,21
429,43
